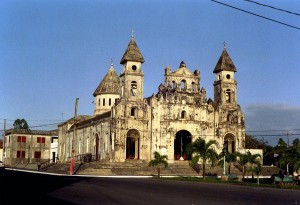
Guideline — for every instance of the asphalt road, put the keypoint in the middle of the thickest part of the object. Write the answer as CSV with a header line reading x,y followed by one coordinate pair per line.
x,y
37,188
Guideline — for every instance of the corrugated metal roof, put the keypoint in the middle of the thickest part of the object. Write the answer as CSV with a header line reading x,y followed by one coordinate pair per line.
x,y
31,132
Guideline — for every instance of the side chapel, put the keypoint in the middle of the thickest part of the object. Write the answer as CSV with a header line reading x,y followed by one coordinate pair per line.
x,y
128,126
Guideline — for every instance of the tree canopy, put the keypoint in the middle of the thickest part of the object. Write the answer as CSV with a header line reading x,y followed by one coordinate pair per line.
x,y
158,161
21,124
204,150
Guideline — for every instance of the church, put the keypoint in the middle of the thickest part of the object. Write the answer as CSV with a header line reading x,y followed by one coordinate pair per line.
x,y
128,126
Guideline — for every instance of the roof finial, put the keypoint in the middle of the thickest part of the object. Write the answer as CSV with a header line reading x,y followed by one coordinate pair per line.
x,y
111,62
132,33
224,45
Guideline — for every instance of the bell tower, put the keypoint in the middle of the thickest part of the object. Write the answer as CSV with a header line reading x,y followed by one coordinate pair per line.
x,y
225,86
132,76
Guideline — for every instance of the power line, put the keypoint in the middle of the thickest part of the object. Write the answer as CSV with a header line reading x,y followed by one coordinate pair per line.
x,y
271,130
256,14
28,120
275,135
272,7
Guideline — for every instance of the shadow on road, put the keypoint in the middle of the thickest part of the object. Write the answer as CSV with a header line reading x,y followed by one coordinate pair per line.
x,y
18,186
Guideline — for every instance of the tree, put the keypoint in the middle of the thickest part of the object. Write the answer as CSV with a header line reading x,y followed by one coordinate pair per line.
x,y
21,124
252,159
158,161
256,170
253,143
200,149
281,150
229,158
294,155
242,160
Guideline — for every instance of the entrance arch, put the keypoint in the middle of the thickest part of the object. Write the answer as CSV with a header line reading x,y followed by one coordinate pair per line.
x,y
132,144
229,142
182,139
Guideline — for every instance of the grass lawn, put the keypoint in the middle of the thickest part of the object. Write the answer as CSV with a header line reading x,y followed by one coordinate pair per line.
x,y
246,182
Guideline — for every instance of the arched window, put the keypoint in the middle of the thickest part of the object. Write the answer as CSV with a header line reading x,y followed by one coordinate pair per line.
x,y
99,103
173,84
193,86
183,114
133,88
228,96
103,101
109,101
183,85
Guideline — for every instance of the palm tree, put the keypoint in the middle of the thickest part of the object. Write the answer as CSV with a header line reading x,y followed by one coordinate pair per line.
x,y
242,160
252,159
229,158
158,161
200,149
256,170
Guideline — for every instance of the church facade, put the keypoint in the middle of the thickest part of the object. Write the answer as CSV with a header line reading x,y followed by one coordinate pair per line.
x,y
128,126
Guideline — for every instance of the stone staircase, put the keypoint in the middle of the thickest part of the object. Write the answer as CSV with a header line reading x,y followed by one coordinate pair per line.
x,y
135,168
141,168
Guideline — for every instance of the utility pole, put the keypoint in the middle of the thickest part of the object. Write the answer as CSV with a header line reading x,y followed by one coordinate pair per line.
x,y
74,127
288,139
288,146
4,130
74,137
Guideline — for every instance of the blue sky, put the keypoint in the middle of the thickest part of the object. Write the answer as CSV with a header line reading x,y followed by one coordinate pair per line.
x,y
52,52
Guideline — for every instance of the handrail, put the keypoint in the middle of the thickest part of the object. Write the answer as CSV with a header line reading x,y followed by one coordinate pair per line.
x,y
46,164
84,158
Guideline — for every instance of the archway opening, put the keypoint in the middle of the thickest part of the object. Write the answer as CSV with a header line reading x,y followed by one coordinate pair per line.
x,y
132,144
229,143
182,139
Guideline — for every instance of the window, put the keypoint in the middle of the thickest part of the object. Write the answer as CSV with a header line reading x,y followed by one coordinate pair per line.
x,y
173,84
132,112
21,139
99,102
193,86
183,114
228,92
133,88
37,155
228,76
40,140
133,67
109,102
103,101
183,84
20,154
54,139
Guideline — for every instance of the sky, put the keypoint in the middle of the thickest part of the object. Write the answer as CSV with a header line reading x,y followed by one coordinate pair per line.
x,y
52,52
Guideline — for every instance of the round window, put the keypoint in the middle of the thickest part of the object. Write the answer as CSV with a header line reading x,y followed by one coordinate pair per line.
x,y
133,67
228,76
